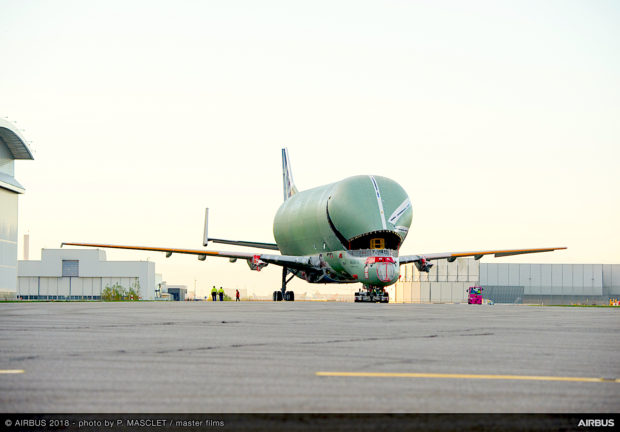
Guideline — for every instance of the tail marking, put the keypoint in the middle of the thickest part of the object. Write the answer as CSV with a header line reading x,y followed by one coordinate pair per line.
x,y
287,176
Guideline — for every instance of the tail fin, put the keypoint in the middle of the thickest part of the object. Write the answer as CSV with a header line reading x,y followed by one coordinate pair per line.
x,y
287,176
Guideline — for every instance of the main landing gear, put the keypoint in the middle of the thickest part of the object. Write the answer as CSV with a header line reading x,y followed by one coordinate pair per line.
x,y
372,294
283,294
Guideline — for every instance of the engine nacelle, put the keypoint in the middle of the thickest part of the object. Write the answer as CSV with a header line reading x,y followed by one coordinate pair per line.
x,y
255,263
423,265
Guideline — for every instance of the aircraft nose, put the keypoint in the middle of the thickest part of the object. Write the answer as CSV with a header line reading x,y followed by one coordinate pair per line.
x,y
387,272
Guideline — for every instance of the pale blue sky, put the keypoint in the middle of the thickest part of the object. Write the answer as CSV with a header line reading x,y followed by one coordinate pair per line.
x,y
500,119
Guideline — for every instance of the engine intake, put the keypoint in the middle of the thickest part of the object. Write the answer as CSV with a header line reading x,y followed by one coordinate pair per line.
x,y
423,265
255,263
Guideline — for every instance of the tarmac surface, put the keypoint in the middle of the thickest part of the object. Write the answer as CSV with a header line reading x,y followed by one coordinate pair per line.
x,y
269,357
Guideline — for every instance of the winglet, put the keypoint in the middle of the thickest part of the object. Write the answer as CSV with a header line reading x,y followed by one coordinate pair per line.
x,y
205,237
287,176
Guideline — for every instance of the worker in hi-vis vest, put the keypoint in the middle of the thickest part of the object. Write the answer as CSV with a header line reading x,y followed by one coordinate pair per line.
x,y
221,293
214,293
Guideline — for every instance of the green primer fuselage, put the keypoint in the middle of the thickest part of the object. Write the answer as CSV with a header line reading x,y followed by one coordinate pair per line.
x,y
343,224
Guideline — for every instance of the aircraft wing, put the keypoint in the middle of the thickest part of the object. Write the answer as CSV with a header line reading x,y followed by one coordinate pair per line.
x,y
255,260
451,256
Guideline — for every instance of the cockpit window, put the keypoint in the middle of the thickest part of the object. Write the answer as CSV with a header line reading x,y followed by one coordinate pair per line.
x,y
378,259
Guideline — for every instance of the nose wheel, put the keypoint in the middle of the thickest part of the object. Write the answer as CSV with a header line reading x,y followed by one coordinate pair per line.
x,y
372,294
283,294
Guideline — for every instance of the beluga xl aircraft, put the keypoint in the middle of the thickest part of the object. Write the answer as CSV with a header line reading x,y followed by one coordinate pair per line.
x,y
344,232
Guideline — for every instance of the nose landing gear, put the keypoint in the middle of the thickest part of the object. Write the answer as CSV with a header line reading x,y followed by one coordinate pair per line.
x,y
372,294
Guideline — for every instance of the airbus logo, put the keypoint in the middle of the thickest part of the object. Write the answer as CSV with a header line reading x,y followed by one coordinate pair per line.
x,y
596,423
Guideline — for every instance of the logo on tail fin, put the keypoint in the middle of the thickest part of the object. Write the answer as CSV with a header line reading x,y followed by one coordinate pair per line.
x,y
287,176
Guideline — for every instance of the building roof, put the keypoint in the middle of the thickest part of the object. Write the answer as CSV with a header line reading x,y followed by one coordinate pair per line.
x,y
9,182
14,141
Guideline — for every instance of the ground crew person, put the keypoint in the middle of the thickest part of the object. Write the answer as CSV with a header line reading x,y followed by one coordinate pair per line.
x,y
237,297
214,293
221,293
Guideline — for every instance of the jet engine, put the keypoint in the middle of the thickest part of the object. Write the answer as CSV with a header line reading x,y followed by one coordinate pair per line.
x,y
255,263
423,265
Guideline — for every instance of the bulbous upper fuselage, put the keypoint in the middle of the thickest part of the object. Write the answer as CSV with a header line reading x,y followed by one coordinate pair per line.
x,y
361,212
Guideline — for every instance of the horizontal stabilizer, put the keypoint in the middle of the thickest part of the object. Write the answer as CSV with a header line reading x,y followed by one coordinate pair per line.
x,y
271,246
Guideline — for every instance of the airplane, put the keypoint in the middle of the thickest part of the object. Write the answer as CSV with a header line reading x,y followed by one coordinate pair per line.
x,y
349,231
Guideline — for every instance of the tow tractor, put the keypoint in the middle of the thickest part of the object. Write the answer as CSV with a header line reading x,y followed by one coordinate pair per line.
x,y
474,295
372,294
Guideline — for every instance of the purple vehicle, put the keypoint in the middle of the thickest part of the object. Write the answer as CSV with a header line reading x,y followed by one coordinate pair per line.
x,y
474,295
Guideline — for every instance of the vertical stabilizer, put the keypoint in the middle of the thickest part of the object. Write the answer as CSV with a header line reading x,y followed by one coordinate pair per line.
x,y
287,176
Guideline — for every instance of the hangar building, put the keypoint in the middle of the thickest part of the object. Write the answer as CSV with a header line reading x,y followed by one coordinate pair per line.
x,y
509,282
81,274
12,147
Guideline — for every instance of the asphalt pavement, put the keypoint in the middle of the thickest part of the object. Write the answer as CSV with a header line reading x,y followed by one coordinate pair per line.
x,y
307,357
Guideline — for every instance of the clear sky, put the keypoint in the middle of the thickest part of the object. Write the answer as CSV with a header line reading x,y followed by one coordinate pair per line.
x,y
500,119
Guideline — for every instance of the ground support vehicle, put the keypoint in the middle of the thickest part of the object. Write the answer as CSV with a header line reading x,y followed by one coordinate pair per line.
x,y
474,295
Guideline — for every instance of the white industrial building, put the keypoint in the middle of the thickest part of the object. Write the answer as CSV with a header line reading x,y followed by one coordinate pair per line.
x,y
509,283
12,147
551,283
81,274
445,283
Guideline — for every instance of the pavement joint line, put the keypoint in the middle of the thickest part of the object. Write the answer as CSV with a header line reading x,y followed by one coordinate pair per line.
x,y
11,371
463,376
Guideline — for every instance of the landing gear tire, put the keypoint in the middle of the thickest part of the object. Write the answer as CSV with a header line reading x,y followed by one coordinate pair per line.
x,y
283,294
370,295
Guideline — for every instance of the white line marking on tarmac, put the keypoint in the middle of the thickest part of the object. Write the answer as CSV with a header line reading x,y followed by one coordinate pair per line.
x,y
11,371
